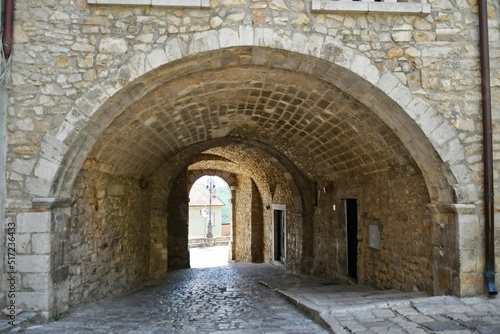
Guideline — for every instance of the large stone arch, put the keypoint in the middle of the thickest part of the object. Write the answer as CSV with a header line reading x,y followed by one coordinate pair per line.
x,y
430,139
63,152
229,178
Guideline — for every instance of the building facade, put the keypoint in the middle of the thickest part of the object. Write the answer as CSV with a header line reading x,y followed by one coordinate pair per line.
x,y
350,133
204,211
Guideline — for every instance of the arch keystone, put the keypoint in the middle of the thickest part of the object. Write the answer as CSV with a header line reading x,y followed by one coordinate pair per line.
x,y
246,34
299,42
264,37
228,37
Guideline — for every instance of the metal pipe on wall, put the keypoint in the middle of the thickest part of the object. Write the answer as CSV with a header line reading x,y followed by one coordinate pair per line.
x,y
8,27
489,220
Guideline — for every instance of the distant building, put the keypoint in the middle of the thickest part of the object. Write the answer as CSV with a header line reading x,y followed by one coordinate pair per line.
x,y
199,212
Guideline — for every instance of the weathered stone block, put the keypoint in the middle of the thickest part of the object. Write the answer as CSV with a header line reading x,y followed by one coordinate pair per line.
x,y
41,301
157,57
471,284
116,189
41,243
28,222
37,187
33,263
23,243
37,282
228,37
46,170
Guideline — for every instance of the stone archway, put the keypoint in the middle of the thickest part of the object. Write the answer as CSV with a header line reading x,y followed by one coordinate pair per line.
x,y
241,163
351,72
92,129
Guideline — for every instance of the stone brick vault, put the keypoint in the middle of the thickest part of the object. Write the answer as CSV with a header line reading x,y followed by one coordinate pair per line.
x,y
112,111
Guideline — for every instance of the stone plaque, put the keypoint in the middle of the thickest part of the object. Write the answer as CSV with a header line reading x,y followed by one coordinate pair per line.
x,y
374,236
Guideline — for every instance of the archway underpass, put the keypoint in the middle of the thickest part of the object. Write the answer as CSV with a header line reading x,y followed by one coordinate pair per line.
x,y
288,137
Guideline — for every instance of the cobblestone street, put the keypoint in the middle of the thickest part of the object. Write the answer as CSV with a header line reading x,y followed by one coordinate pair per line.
x,y
228,299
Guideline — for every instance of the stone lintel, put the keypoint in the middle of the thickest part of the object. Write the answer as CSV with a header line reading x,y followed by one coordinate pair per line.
x,y
462,209
371,7
157,3
52,202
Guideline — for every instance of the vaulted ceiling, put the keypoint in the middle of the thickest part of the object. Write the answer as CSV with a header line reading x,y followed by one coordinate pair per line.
x,y
284,103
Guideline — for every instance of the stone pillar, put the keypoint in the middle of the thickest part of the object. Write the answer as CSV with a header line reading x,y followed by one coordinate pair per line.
x,y
232,249
41,260
456,245
471,249
257,242
178,224
158,263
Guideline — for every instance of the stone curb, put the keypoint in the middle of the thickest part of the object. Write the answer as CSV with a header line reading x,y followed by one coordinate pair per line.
x,y
324,316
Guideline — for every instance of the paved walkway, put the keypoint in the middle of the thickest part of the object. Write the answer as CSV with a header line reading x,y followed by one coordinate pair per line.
x,y
259,298
345,308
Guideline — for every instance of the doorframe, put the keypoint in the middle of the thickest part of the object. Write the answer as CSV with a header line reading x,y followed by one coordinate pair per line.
x,y
278,207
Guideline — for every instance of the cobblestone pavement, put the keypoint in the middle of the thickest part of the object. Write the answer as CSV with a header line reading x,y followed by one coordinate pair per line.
x,y
260,298
228,299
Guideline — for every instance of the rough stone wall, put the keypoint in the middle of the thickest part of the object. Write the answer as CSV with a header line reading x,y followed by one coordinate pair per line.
x,y
158,263
109,236
293,228
404,261
257,225
329,234
398,206
242,228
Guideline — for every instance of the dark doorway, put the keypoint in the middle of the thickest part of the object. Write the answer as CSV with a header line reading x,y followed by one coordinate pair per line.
x,y
279,234
351,206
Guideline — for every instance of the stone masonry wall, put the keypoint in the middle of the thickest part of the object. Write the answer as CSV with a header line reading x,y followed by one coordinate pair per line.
x,y
242,226
257,225
397,206
404,261
293,228
109,239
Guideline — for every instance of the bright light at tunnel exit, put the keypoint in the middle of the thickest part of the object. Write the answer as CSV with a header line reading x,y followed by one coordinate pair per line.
x,y
209,246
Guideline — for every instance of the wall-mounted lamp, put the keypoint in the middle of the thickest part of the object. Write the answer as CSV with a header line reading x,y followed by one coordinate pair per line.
x,y
268,206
